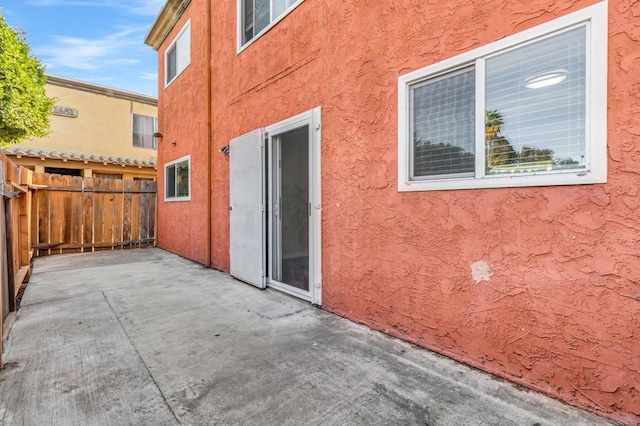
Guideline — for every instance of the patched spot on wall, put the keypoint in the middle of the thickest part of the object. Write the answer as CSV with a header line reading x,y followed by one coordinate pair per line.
x,y
481,271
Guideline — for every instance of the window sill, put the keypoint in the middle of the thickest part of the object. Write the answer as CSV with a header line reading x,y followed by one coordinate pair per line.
x,y
177,199
566,178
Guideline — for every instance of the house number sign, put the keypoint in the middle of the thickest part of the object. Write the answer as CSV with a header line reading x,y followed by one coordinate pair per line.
x,y
64,111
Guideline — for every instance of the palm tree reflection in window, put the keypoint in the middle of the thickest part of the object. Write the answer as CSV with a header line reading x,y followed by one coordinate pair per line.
x,y
501,157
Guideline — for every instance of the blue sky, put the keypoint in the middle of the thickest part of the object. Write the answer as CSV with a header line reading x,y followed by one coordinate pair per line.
x,y
99,41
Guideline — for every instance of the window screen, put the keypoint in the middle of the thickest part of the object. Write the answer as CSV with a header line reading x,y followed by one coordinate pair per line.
x,y
143,129
536,106
258,14
177,179
171,182
443,125
182,179
172,65
178,56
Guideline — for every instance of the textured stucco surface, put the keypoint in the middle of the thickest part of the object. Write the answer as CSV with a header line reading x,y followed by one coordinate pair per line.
x,y
182,119
555,304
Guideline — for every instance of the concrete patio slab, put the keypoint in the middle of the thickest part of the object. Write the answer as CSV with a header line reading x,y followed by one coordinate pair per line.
x,y
146,337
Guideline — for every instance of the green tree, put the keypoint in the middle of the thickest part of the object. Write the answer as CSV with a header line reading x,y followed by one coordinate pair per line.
x,y
443,158
24,105
499,149
534,155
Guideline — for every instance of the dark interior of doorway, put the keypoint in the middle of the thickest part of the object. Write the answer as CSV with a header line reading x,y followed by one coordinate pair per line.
x,y
294,166
295,272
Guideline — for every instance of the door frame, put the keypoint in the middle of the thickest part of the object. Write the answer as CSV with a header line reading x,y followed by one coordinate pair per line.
x,y
312,119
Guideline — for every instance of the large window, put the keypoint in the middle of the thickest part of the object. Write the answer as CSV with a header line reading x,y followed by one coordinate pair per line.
x,y
178,55
257,16
176,180
529,109
143,129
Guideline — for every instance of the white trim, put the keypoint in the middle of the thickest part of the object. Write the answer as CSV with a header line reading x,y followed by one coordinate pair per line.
x,y
273,23
164,189
480,162
311,118
315,188
290,123
595,19
293,291
187,27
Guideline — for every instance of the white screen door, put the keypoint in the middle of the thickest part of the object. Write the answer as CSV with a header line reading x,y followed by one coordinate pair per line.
x,y
246,194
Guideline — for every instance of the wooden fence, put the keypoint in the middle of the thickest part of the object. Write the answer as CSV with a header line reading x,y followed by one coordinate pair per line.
x,y
15,252
42,214
74,214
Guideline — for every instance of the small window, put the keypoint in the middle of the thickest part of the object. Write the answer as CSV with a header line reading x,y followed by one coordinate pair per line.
x,y
177,181
178,55
63,171
107,175
257,16
143,129
528,110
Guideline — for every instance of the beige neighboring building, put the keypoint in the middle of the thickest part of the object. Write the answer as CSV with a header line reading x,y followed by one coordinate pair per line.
x,y
95,131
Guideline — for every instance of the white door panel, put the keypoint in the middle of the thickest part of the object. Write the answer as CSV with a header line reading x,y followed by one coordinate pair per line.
x,y
246,192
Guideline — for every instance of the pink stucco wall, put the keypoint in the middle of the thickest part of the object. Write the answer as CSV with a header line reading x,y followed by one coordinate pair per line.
x,y
561,312
182,119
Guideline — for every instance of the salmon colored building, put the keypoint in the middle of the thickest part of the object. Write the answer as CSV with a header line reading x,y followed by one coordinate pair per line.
x,y
461,176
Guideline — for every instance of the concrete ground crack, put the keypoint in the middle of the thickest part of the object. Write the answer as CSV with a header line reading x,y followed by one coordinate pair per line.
x,y
164,398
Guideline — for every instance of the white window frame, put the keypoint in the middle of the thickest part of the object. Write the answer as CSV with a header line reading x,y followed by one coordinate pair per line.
x,y
180,67
272,23
595,19
155,127
166,166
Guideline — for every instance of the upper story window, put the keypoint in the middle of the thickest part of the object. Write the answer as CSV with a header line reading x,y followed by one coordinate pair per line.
x,y
144,127
177,183
527,110
178,55
257,16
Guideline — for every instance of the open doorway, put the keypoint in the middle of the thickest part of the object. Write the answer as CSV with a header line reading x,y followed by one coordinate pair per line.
x,y
275,206
289,212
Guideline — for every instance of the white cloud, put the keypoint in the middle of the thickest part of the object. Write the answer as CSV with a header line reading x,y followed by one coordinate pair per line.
x,y
149,76
111,51
122,61
89,54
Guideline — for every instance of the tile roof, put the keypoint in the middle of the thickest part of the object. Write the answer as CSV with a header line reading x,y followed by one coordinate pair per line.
x,y
55,155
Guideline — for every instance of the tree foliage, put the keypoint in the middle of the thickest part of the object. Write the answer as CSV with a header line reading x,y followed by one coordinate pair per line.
x,y
443,158
500,152
24,105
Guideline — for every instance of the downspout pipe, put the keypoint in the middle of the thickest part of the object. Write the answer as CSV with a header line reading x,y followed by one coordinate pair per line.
x,y
209,159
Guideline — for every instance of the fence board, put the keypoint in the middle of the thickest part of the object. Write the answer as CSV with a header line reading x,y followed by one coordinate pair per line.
x,y
98,210
44,207
76,220
57,220
135,211
128,217
144,212
87,212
